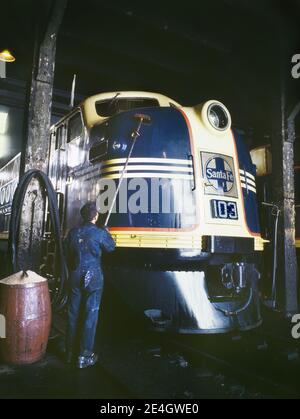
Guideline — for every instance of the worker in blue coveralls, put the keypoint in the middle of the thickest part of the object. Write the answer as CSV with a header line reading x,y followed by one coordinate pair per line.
x,y
83,247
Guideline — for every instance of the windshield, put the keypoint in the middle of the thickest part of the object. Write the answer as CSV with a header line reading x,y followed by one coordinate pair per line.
x,y
114,106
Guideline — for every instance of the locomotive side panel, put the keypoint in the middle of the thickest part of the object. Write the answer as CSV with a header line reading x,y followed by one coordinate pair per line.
x,y
248,182
67,158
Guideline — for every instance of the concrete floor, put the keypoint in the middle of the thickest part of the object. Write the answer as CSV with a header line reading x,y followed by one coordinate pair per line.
x,y
52,378
133,365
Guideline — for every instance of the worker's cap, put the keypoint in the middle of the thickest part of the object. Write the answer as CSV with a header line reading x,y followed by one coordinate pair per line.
x,y
89,211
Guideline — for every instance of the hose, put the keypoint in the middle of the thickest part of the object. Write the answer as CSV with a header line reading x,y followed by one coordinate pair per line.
x,y
59,300
275,213
275,261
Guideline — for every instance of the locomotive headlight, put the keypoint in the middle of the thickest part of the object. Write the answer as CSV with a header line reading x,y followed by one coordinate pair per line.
x,y
215,117
218,116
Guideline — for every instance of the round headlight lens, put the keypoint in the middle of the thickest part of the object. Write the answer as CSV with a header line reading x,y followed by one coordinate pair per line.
x,y
218,117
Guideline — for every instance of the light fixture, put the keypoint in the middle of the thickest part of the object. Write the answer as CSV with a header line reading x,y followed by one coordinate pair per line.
x,y
7,56
218,116
215,117
3,122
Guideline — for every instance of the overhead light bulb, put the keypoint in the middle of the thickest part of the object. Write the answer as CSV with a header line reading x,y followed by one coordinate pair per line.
x,y
7,56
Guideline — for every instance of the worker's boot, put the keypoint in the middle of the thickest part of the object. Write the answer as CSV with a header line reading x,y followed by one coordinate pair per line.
x,y
85,361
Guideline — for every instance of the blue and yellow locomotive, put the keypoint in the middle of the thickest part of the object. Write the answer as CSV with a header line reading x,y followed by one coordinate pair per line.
x,y
192,268
185,221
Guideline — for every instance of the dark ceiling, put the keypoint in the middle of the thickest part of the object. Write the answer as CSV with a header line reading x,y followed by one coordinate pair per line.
x,y
191,51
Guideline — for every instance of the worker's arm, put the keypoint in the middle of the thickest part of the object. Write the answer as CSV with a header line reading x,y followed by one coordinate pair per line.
x,y
107,242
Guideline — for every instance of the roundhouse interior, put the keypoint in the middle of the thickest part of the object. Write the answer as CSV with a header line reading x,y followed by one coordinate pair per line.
x,y
67,56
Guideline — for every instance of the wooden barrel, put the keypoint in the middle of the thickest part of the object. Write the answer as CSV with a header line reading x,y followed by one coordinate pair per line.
x,y
26,307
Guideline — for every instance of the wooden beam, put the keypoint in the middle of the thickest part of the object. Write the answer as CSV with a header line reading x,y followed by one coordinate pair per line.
x,y
41,91
284,190
36,153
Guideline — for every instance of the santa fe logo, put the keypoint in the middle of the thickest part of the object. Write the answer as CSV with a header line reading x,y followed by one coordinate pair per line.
x,y
220,174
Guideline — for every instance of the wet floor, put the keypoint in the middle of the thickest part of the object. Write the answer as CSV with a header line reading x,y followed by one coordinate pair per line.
x,y
51,378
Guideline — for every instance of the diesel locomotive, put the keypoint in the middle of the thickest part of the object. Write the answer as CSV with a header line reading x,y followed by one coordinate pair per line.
x,y
186,218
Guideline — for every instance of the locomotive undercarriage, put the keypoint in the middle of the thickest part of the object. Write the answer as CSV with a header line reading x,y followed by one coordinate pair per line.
x,y
203,293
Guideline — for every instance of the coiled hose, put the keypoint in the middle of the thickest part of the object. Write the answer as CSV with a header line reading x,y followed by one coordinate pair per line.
x,y
59,300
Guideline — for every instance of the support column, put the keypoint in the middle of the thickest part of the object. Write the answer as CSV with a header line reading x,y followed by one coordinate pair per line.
x,y
40,101
284,192
36,153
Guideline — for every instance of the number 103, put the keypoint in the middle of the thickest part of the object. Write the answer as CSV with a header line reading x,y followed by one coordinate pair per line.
x,y
224,210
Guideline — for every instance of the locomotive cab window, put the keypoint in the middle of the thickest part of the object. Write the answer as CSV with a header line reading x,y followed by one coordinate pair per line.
x,y
114,106
75,128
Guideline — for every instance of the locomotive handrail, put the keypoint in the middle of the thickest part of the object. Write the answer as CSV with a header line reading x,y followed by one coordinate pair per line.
x,y
191,157
276,211
231,313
